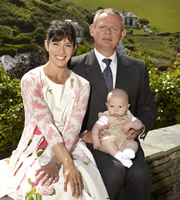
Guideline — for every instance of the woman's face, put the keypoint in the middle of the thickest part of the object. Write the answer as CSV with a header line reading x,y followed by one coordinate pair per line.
x,y
60,52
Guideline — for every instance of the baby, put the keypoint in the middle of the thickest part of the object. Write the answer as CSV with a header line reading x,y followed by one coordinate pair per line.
x,y
120,121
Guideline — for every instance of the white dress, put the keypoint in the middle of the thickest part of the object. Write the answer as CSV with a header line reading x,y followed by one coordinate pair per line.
x,y
17,173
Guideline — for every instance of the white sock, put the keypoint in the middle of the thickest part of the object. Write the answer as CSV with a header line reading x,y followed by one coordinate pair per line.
x,y
126,162
128,154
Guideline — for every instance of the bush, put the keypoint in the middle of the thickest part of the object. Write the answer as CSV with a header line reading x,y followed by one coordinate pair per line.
x,y
84,48
165,87
5,30
23,48
11,111
25,64
177,46
8,51
39,38
19,39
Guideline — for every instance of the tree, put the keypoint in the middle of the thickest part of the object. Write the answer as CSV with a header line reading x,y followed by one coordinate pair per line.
x,y
39,38
25,64
143,21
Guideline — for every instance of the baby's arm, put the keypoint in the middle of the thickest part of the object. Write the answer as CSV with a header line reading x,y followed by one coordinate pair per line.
x,y
95,136
136,124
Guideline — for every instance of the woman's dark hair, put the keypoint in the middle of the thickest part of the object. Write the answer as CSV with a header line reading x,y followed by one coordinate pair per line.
x,y
59,30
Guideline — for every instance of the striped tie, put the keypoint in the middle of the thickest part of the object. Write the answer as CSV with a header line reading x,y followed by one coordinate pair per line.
x,y
107,73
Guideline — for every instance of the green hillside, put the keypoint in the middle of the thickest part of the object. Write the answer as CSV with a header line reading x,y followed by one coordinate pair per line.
x,y
23,23
163,14
32,14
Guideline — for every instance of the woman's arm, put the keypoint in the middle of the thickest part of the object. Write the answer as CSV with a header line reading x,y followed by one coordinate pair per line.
x,y
36,108
74,123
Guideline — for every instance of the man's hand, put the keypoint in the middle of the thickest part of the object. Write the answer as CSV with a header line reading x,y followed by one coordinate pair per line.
x,y
49,172
132,133
104,132
87,137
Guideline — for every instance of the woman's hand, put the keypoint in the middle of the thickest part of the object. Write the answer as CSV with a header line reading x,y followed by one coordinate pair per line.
x,y
49,172
73,176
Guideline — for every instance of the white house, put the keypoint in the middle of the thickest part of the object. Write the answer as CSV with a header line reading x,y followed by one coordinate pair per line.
x,y
7,61
79,31
130,19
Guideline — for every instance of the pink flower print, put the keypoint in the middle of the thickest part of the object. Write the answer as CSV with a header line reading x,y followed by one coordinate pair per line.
x,y
45,189
43,144
84,100
81,157
72,83
169,69
37,131
67,141
33,183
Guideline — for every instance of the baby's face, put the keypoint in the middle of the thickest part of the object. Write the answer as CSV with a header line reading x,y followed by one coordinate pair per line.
x,y
117,106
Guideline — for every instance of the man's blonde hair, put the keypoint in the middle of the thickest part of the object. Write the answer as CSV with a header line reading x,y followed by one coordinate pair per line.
x,y
110,11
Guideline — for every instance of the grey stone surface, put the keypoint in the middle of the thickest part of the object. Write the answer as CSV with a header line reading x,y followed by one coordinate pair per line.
x,y
162,139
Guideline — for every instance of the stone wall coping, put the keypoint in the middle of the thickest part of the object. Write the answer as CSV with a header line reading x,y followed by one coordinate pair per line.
x,y
161,140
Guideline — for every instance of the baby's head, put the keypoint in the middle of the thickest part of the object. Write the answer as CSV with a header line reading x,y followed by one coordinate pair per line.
x,y
117,102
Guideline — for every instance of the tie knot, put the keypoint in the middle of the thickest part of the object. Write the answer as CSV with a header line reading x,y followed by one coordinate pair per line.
x,y
107,61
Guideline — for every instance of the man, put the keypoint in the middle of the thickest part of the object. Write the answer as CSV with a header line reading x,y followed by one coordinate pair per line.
x,y
131,75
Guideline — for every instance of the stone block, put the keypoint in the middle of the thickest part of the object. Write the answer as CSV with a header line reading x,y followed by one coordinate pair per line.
x,y
161,167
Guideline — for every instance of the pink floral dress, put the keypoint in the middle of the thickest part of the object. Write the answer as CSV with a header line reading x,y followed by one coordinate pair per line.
x,y
53,114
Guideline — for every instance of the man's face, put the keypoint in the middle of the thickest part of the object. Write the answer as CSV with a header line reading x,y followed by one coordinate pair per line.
x,y
107,32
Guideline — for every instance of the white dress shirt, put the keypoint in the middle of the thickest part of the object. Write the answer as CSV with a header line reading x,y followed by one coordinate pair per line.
x,y
113,64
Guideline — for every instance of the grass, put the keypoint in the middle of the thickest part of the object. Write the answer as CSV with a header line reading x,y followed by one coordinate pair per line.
x,y
158,47
162,14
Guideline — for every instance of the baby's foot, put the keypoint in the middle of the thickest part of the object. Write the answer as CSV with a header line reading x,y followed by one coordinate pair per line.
x,y
126,162
128,154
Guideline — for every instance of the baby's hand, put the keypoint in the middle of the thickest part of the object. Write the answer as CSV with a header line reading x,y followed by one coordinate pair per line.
x,y
96,145
126,127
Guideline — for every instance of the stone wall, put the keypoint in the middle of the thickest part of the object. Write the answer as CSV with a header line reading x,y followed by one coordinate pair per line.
x,y
165,169
162,152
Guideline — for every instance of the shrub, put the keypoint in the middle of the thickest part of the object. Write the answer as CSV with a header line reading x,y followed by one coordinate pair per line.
x,y
19,39
8,51
11,111
23,48
177,46
5,30
16,31
39,38
131,40
84,48
25,64
165,87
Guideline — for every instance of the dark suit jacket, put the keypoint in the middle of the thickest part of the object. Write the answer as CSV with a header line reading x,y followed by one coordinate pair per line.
x,y
132,76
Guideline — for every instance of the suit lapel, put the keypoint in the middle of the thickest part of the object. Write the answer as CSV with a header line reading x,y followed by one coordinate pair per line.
x,y
95,76
123,72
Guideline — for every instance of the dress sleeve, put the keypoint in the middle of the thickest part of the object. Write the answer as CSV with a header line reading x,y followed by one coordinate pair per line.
x,y
74,123
36,108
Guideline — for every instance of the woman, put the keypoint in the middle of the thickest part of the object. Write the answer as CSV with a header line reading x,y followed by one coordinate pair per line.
x,y
55,101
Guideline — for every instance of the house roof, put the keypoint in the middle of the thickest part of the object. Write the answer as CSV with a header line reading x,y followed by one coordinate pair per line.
x,y
130,14
7,58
